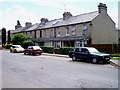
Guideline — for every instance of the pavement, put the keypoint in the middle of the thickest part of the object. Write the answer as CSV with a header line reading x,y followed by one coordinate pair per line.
x,y
115,63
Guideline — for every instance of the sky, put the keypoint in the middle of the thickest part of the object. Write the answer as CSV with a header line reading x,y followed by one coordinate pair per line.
x,y
34,10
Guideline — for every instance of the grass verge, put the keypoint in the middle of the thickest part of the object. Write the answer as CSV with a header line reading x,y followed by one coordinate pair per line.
x,y
115,55
117,58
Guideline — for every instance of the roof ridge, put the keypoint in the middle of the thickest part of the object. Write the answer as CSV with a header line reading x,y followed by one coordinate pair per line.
x,y
85,13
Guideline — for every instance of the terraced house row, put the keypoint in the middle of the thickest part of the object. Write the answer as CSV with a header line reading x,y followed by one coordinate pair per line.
x,y
93,28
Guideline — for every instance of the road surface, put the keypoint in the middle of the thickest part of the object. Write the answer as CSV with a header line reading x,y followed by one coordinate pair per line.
x,y
25,71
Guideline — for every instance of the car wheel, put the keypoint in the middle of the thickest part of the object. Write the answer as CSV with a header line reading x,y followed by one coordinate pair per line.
x,y
15,51
94,61
24,53
10,51
74,58
39,53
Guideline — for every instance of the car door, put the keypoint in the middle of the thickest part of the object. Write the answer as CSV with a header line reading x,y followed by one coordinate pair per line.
x,y
78,53
85,53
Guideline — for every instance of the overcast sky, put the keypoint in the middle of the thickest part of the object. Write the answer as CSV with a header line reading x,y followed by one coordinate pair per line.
x,y
34,10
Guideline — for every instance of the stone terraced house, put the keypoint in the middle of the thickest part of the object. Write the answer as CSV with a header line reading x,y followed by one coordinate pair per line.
x,y
93,28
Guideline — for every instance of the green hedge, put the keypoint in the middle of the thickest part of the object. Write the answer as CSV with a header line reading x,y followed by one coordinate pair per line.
x,y
65,50
8,46
27,43
48,49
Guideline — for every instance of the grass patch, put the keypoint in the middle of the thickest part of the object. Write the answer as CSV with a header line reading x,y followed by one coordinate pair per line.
x,y
118,58
115,55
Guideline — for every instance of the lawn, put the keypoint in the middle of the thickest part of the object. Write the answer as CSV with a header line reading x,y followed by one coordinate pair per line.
x,y
117,58
115,55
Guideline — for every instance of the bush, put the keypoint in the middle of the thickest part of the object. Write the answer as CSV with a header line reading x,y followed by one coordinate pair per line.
x,y
48,49
65,50
19,38
8,46
27,43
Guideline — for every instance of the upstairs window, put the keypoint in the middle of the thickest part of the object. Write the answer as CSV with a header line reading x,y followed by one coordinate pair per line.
x,y
67,31
73,30
58,32
51,32
85,29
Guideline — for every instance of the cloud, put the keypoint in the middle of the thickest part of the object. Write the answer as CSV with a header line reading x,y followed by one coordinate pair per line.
x,y
10,16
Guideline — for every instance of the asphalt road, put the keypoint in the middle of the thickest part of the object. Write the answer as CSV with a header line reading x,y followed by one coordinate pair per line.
x,y
25,71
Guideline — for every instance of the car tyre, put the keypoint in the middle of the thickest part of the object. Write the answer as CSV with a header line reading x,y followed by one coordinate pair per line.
x,y
24,53
15,51
10,51
94,60
74,58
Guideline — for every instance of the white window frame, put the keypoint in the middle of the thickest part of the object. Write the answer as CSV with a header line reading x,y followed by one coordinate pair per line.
x,y
67,31
85,29
73,30
58,32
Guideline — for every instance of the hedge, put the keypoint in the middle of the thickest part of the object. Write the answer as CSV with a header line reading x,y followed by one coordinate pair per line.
x,y
65,50
48,49
27,43
8,46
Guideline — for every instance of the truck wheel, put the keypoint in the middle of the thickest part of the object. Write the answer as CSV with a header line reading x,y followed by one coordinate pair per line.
x,y
94,61
74,58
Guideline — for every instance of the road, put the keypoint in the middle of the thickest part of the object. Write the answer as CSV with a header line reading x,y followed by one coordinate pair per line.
x,y
25,71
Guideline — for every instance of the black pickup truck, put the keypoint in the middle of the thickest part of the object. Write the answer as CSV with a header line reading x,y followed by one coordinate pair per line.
x,y
88,53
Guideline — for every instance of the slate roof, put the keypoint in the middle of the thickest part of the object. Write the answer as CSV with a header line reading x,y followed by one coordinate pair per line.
x,y
33,27
86,17
50,23
79,19
41,39
72,20
17,30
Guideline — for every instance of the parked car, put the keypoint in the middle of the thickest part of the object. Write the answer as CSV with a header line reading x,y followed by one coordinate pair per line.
x,y
88,53
16,49
33,50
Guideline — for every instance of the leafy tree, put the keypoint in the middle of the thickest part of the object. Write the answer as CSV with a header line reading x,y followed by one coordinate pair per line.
x,y
9,38
3,36
19,38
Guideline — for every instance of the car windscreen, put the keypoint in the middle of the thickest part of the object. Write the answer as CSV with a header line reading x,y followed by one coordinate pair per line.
x,y
36,47
16,46
93,50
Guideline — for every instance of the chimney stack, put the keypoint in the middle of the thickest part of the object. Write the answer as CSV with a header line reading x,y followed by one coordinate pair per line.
x,y
44,20
28,24
18,25
102,8
66,15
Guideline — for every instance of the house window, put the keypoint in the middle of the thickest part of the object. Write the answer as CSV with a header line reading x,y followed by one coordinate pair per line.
x,y
73,30
67,31
51,33
30,34
85,29
58,33
57,44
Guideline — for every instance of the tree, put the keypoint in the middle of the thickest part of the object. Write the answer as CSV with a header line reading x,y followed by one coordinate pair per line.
x,y
9,38
19,38
3,36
